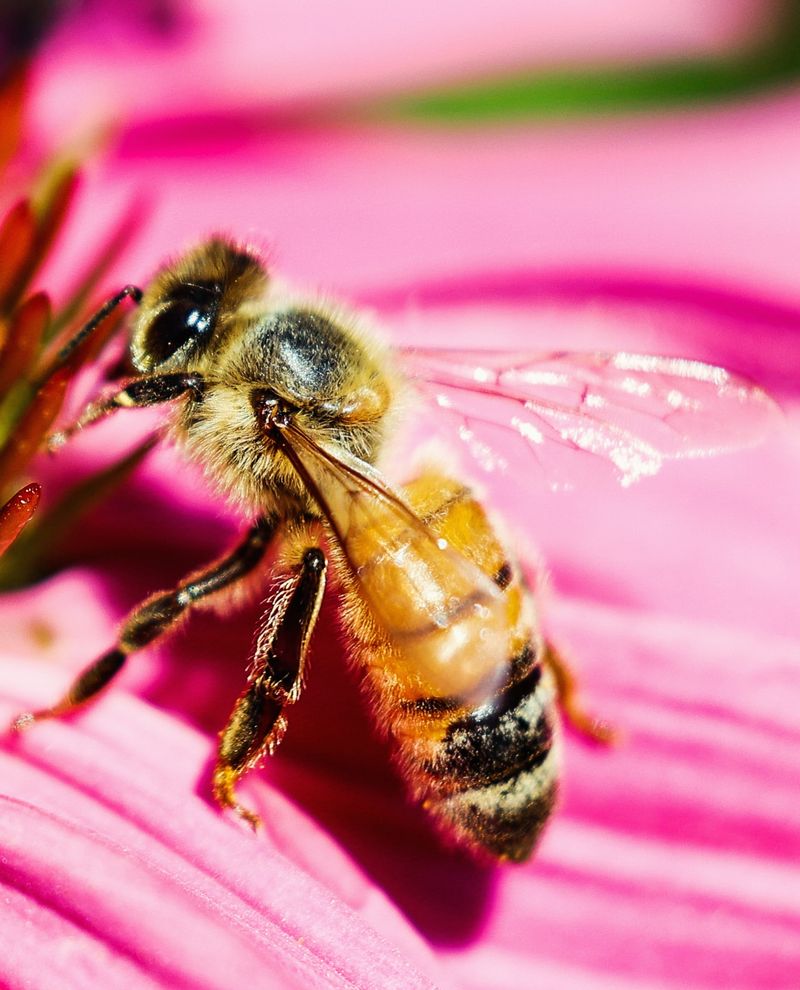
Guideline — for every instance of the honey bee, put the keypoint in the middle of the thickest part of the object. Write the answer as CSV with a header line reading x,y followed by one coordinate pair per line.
x,y
287,405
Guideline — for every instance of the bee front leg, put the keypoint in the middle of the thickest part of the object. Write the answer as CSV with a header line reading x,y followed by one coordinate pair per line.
x,y
156,616
257,723
148,391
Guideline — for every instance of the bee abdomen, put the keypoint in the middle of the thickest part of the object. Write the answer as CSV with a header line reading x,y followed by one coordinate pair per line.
x,y
485,766
493,777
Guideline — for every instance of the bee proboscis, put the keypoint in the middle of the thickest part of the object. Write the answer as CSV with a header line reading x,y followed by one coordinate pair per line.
x,y
287,404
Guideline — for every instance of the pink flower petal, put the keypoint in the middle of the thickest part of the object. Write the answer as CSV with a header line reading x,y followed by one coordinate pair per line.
x,y
357,209
100,829
221,55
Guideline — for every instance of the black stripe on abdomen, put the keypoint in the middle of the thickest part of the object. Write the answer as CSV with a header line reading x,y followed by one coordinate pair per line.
x,y
494,743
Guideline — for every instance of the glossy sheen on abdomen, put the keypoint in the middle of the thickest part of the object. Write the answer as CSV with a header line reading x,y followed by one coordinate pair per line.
x,y
483,760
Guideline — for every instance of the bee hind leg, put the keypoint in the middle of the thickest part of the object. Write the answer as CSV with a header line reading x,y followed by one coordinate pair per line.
x,y
257,723
153,618
571,704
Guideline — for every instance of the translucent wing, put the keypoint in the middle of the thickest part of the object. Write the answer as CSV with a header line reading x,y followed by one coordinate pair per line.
x,y
444,615
630,411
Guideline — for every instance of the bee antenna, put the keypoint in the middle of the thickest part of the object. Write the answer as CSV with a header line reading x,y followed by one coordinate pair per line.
x,y
108,307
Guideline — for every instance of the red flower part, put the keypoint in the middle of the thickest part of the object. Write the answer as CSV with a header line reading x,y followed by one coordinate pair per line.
x,y
17,513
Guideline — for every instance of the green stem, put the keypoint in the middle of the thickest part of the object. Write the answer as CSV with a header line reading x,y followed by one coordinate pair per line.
x,y
773,62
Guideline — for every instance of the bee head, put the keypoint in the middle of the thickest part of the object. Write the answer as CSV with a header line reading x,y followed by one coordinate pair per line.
x,y
188,304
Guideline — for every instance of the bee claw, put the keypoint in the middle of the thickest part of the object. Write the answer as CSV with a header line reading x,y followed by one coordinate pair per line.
x,y
252,819
22,722
602,732
55,442
225,795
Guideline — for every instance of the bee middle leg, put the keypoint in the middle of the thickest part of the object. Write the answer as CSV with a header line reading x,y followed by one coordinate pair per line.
x,y
257,723
156,616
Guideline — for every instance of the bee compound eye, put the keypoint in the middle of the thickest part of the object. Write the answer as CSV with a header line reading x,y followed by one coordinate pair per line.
x,y
186,318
